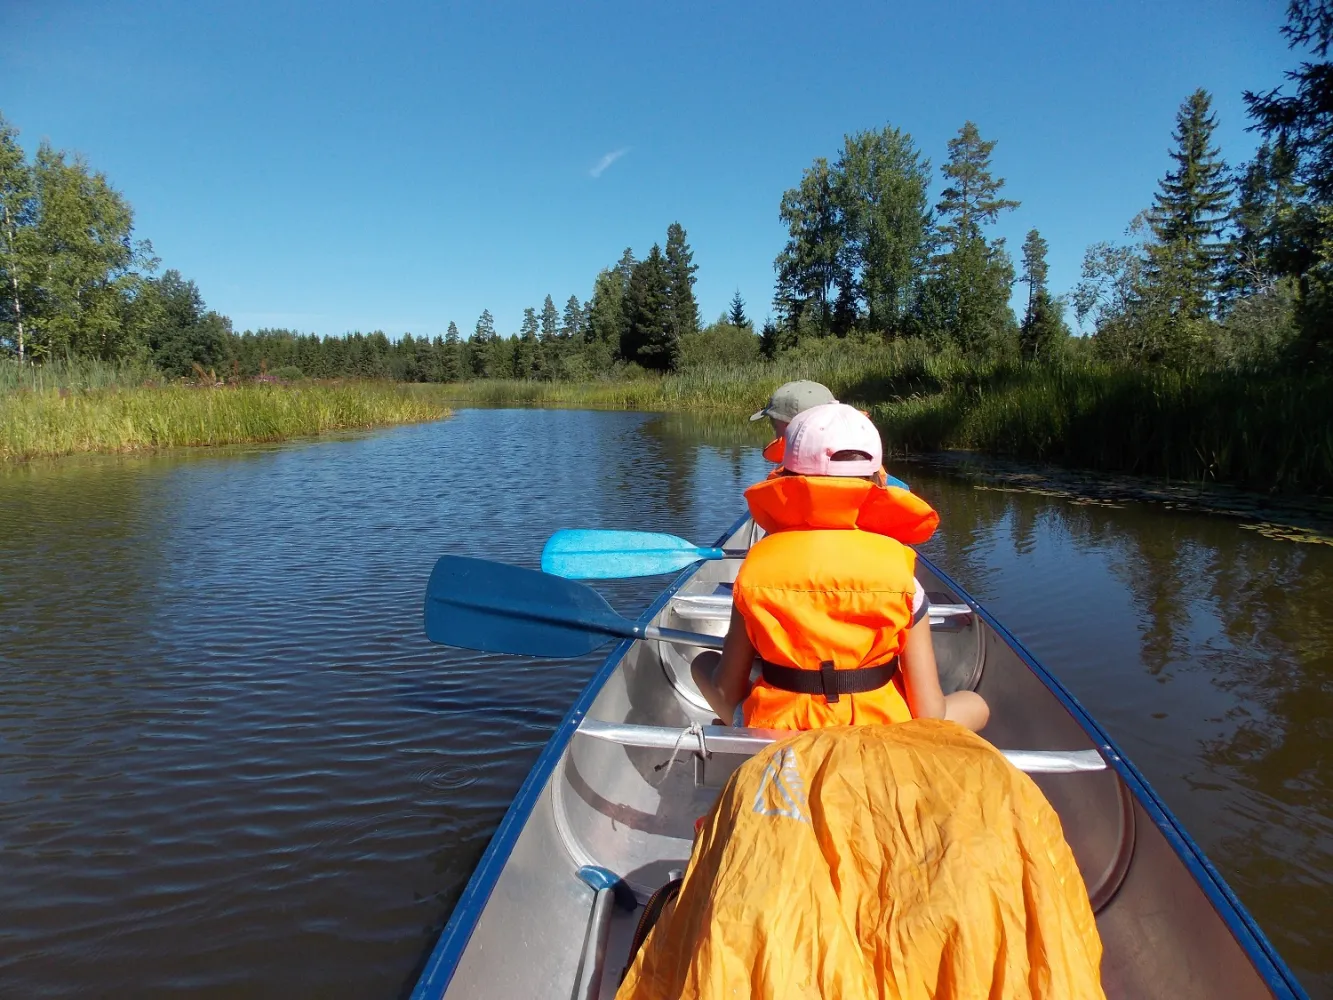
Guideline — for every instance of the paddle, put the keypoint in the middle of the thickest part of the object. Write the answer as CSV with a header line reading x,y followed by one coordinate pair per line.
x,y
477,604
587,554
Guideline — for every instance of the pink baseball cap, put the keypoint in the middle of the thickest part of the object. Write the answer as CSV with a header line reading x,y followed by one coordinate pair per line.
x,y
815,435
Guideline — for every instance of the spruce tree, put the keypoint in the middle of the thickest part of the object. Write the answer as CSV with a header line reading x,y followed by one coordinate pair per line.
x,y
484,332
451,335
625,268
1044,332
649,336
1266,193
1189,214
682,309
550,321
1034,269
736,316
572,322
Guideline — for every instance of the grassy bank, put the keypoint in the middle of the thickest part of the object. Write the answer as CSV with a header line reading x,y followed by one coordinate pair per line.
x,y
1263,431
60,421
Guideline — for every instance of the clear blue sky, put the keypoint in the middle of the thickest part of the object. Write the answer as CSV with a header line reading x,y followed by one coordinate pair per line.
x,y
332,166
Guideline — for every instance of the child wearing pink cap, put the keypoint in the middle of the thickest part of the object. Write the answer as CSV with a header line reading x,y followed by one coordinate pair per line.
x,y
828,601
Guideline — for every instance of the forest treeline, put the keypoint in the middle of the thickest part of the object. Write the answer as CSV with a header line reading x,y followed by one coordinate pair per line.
x,y
1229,268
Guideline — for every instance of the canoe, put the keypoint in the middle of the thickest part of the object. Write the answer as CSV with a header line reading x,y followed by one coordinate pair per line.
x,y
606,817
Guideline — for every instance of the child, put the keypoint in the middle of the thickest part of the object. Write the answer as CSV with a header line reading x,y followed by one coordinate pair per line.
x,y
788,400
827,599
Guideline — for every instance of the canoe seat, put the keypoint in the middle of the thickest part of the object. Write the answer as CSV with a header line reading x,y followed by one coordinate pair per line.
x,y
716,607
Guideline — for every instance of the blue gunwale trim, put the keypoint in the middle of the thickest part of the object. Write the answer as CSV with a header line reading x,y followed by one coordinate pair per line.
x,y
453,940
1269,964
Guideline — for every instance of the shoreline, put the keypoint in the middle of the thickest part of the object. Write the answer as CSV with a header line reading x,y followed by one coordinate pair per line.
x,y
58,423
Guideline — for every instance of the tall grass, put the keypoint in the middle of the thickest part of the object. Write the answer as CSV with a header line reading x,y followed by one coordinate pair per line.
x,y
1266,431
62,422
76,374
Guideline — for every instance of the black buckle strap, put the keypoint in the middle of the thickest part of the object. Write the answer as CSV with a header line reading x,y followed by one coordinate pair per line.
x,y
829,682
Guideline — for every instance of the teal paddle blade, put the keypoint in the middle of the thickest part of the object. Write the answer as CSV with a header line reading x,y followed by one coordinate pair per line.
x,y
477,604
585,554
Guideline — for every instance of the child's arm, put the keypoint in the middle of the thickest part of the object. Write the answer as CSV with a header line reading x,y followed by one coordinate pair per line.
x,y
921,676
730,682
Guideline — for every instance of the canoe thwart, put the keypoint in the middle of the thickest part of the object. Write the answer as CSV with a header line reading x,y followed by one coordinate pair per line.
x,y
747,742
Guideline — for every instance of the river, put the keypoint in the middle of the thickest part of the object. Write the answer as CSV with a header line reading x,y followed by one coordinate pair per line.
x,y
231,764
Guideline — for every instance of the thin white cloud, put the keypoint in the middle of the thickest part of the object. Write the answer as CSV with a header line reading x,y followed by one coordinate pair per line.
x,y
606,161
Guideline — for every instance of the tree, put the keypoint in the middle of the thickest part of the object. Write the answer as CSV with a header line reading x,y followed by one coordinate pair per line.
x,y
736,315
18,268
880,184
812,263
550,321
606,312
768,340
967,294
649,337
1034,269
1189,214
1302,124
83,231
1267,192
971,198
485,329
1044,332
528,328
572,322
682,309
1303,121
451,335
625,268
180,332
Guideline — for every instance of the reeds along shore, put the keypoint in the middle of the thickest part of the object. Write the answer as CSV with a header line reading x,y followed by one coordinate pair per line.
x,y
43,422
1266,431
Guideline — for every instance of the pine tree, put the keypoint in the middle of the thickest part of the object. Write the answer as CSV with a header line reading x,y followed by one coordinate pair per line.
x,y
649,336
1190,212
528,328
1034,269
768,340
736,316
968,291
682,309
572,322
550,321
971,198
451,335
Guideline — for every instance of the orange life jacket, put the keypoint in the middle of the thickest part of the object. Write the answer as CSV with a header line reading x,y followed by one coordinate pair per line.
x,y
776,450
832,581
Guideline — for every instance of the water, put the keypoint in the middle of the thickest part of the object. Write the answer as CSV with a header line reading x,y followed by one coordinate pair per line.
x,y
230,763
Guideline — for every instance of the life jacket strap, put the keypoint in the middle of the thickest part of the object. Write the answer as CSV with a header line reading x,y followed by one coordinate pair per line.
x,y
827,681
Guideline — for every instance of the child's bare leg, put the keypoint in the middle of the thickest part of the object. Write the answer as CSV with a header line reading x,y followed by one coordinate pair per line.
x,y
968,709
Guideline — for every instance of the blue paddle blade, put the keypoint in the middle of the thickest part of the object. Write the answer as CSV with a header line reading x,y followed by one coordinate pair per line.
x,y
579,554
477,604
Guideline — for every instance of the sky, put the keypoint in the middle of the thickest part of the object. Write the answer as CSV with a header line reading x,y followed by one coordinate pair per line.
x,y
332,166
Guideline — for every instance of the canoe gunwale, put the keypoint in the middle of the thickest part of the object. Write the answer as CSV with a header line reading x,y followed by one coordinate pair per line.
x,y
1274,971
453,940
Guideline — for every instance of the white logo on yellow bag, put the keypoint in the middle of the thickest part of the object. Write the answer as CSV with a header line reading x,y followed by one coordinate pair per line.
x,y
781,790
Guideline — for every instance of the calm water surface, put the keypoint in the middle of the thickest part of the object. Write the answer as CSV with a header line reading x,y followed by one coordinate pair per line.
x,y
230,764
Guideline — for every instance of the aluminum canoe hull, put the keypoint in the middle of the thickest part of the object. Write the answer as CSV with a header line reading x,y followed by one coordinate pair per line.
x,y
1170,927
